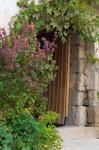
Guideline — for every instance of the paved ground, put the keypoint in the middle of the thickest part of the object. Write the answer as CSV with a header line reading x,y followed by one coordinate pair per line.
x,y
79,138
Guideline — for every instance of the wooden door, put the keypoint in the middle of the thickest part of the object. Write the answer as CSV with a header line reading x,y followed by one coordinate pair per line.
x,y
58,92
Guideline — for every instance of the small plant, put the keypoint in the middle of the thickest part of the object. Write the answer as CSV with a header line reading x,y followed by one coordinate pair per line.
x,y
93,59
98,95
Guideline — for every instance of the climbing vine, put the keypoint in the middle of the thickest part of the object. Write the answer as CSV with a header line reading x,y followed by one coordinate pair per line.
x,y
27,67
63,16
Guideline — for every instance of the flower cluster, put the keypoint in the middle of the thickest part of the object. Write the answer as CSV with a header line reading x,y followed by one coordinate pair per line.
x,y
27,42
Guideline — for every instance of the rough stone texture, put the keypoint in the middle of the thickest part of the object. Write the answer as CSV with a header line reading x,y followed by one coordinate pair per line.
x,y
77,81
84,83
73,80
91,77
92,96
71,116
90,49
77,65
81,116
81,82
93,114
78,52
76,98
77,40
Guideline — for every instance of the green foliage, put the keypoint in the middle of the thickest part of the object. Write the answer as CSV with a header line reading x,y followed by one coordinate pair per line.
x,y
24,75
62,16
32,134
26,69
98,95
93,59
5,139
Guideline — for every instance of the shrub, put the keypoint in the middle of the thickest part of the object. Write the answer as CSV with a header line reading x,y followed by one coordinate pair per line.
x,y
26,68
32,134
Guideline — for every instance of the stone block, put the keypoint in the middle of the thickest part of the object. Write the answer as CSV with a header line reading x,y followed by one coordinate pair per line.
x,y
76,98
90,48
77,81
93,114
70,119
78,52
80,98
77,65
77,40
91,78
73,80
81,116
92,96
81,82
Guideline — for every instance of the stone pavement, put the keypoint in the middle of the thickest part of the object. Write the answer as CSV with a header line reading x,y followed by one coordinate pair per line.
x,y
79,138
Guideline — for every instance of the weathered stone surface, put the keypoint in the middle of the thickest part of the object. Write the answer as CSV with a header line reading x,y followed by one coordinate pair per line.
x,y
77,40
77,81
77,65
84,83
91,76
90,49
78,52
73,80
92,96
76,98
81,116
71,115
92,80
81,82
93,114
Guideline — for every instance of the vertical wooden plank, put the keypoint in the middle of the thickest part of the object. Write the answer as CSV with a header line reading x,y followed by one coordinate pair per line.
x,y
58,94
68,75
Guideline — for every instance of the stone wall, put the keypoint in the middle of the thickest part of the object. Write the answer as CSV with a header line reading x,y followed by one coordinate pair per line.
x,y
84,84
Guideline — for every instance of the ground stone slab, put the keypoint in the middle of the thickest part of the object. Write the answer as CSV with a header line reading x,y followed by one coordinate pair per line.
x,y
92,144
79,138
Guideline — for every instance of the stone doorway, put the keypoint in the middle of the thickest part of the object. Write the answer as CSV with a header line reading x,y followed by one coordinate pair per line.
x,y
82,104
84,85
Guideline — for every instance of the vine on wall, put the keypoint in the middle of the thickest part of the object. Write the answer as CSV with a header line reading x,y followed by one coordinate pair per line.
x,y
27,66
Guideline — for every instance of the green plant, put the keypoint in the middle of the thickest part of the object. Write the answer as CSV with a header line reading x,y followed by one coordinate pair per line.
x,y
98,95
27,66
93,59
30,133
26,70
63,16
6,139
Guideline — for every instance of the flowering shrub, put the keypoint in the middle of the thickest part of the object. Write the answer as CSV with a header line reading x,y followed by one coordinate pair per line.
x,y
26,68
